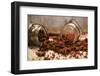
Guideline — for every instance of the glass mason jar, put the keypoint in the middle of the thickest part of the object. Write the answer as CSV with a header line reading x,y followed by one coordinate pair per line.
x,y
71,31
37,33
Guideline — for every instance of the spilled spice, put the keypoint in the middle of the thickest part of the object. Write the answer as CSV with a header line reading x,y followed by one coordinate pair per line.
x,y
63,45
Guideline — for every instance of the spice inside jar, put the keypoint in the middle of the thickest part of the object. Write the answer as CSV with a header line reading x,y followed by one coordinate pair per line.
x,y
71,31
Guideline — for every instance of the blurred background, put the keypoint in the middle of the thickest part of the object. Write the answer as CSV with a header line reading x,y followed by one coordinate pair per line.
x,y
54,23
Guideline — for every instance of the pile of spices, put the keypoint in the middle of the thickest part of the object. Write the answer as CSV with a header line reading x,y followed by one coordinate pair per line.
x,y
63,46
56,48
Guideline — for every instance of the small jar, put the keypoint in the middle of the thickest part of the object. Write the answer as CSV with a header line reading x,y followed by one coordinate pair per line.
x,y
71,31
37,33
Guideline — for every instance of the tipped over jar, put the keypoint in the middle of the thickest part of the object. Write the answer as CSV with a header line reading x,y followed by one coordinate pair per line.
x,y
71,31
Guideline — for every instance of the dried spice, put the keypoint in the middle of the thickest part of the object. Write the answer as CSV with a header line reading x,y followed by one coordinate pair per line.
x,y
42,36
63,47
40,53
